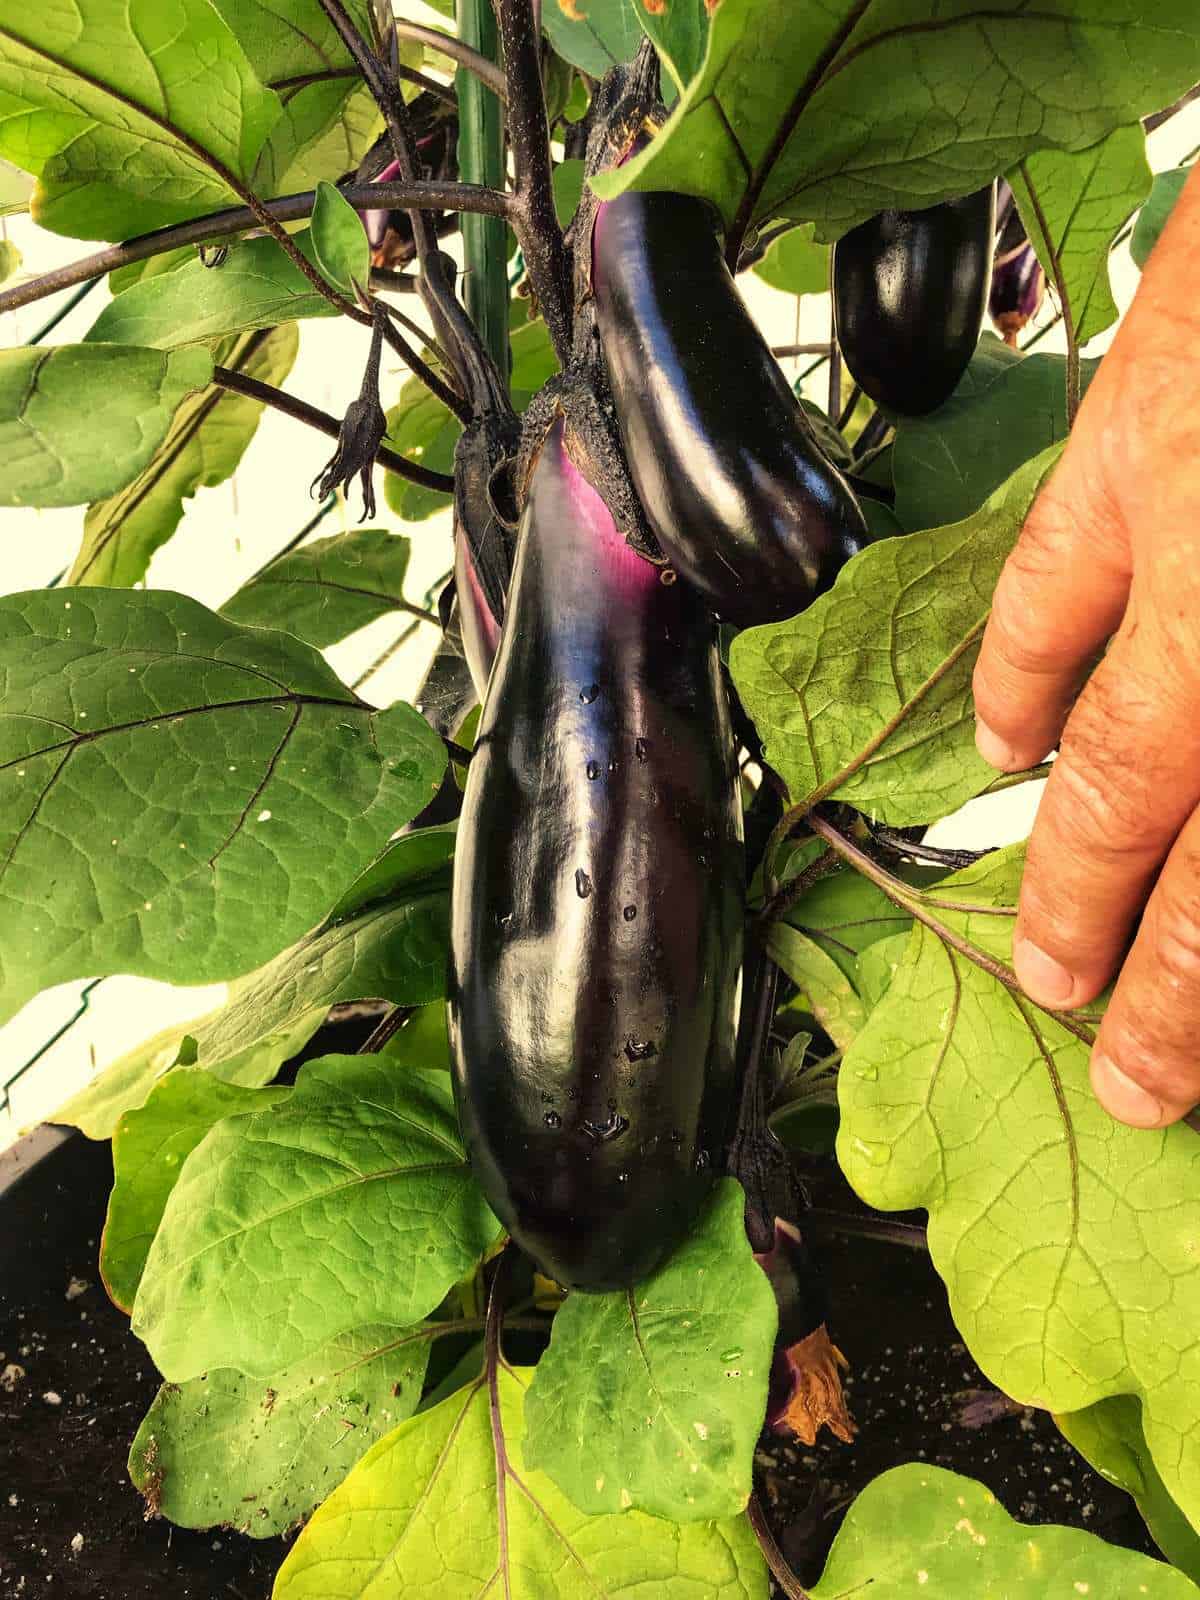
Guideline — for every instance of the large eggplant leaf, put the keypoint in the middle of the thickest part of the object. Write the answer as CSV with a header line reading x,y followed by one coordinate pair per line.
x,y
349,1203
1067,1241
1156,213
1073,206
77,423
1006,410
922,1531
328,117
258,286
16,187
654,1399
150,1146
203,446
180,797
833,110
386,939
445,1505
131,113
866,696
1110,1436
599,34
258,1454
327,589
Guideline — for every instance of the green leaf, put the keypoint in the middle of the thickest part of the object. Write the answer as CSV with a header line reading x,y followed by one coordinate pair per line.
x,y
1006,410
921,1530
593,34
150,1146
1066,1240
598,34
327,589
421,428
787,117
866,696
877,967
77,423
796,263
423,1510
423,1041
349,1203
568,187
10,259
389,944
327,125
825,991
132,115
846,914
1156,213
180,797
203,447
1109,1434
258,286
339,241
256,1455
1073,206
418,858
654,1399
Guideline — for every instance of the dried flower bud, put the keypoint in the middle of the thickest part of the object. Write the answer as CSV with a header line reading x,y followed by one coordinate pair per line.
x,y
362,432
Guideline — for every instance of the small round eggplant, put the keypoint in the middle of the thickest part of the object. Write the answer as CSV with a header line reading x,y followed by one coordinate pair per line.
x,y
733,482
596,921
909,292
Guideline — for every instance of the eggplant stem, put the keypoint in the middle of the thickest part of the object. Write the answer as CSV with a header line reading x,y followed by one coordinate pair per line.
x,y
478,378
456,50
237,219
848,1226
301,411
534,218
772,1554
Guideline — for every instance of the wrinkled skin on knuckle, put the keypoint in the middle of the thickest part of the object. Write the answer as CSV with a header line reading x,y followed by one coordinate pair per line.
x,y
1103,789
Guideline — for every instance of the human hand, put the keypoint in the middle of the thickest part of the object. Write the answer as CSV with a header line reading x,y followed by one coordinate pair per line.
x,y
1112,548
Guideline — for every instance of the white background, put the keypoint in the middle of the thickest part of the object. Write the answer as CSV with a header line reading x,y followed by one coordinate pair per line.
x,y
229,531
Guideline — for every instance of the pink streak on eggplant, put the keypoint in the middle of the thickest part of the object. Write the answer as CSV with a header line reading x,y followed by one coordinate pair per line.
x,y
596,920
909,292
480,630
730,475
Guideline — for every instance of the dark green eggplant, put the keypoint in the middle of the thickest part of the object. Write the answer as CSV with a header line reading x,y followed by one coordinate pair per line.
x,y
596,921
910,289
732,479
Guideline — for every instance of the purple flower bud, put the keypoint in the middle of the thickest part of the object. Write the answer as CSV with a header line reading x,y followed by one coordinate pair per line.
x,y
1018,288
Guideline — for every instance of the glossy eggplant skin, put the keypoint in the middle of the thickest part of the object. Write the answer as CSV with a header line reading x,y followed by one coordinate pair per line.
x,y
910,289
480,628
597,908
730,475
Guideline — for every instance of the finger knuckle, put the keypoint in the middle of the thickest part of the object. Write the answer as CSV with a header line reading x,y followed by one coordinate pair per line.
x,y
1175,933
1097,810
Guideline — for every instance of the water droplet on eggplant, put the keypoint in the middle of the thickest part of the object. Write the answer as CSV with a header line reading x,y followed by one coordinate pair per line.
x,y
583,884
589,692
629,913
640,748
593,770
552,1119
641,1050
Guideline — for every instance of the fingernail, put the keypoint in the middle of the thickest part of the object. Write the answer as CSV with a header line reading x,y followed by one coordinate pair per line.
x,y
997,752
1123,1099
1042,977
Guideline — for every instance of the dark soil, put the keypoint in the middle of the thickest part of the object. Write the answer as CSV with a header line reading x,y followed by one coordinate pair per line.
x,y
916,1395
71,1525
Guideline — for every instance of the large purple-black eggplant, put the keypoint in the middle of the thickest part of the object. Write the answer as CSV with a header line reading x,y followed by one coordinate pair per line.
x,y
728,470
909,292
596,922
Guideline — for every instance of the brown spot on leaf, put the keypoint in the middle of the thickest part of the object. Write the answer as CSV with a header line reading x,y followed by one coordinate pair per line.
x,y
655,7
570,8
